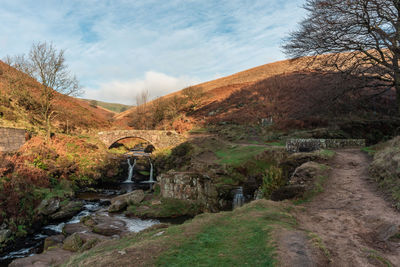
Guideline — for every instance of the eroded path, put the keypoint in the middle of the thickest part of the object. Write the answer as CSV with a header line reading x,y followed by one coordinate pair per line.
x,y
351,218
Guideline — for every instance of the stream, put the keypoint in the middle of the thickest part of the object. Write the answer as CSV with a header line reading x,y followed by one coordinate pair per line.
x,y
93,203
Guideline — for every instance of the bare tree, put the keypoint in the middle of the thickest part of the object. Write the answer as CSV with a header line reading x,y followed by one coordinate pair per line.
x,y
357,37
193,95
47,65
140,116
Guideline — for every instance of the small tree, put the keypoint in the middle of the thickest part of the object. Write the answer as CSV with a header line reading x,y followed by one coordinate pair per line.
x,y
193,95
47,65
93,103
357,37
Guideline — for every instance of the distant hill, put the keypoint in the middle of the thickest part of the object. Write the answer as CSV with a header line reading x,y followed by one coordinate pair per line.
x,y
20,106
114,107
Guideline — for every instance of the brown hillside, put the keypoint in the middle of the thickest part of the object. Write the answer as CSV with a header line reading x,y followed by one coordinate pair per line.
x,y
284,90
221,88
19,105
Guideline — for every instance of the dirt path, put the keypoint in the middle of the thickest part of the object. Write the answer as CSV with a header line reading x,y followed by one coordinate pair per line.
x,y
350,217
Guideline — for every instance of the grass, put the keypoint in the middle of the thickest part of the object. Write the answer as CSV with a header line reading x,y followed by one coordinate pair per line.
x,y
318,243
375,255
242,237
370,150
237,155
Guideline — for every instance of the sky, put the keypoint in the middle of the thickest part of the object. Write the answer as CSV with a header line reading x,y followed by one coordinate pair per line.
x,y
118,48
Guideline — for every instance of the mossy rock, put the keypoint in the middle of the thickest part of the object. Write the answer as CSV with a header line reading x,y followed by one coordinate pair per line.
x,y
73,243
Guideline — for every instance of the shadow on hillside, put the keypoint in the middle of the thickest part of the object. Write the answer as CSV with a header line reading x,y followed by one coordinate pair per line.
x,y
312,97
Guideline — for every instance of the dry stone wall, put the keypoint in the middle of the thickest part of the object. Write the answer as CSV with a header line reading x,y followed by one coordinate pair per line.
x,y
11,139
308,145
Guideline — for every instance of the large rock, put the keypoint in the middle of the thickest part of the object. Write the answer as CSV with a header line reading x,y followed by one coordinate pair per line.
x,y
189,186
67,211
73,243
121,202
53,257
105,225
53,242
48,206
302,180
72,228
4,235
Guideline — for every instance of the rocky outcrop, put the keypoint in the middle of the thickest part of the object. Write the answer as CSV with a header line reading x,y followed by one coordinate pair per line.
x,y
67,211
4,235
121,202
304,179
189,186
105,225
48,206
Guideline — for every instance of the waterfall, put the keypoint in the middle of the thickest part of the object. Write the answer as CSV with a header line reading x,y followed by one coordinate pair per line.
x,y
238,198
131,168
151,172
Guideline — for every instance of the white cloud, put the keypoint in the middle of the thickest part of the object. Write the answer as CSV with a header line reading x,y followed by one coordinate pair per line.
x,y
115,43
124,92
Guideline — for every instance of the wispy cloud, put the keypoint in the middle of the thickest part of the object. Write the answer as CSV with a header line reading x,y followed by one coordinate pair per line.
x,y
120,43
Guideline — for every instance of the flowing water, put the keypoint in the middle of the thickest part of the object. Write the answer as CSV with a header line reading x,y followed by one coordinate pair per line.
x,y
131,169
238,198
93,203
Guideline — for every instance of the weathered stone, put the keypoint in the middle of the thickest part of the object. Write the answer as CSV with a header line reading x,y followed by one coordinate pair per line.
x,y
53,257
4,234
11,139
159,139
73,242
53,241
120,202
308,145
72,228
189,186
107,225
67,211
48,206
385,231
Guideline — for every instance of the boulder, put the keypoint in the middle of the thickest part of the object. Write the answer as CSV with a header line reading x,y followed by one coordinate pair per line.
x,y
121,202
67,211
53,241
73,242
72,228
4,235
385,231
48,206
109,226
53,257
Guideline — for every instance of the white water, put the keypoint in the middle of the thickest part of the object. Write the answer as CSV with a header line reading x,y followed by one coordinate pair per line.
x,y
130,173
238,198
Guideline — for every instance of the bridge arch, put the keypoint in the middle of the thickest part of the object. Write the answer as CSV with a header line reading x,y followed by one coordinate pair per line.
x,y
127,137
159,139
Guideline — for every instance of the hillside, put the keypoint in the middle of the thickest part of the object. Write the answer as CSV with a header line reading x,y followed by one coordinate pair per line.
x,y
20,106
287,92
114,107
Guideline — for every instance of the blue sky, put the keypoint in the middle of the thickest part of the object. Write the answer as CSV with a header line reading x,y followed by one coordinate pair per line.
x,y
118,47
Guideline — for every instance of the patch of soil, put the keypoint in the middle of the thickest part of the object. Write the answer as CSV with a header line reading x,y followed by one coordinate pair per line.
x,y
353,221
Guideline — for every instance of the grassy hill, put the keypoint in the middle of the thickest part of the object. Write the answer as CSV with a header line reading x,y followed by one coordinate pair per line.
x,y
289,92
114,107
20,106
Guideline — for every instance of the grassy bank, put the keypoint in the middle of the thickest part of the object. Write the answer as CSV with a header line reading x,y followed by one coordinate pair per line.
x,y
237,238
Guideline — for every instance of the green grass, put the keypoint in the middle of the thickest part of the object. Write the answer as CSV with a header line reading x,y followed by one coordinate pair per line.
x,y
369,149
327,152
276,143
242,237
237,155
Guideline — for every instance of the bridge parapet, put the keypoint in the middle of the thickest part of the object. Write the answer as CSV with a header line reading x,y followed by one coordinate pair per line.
x,y
159,139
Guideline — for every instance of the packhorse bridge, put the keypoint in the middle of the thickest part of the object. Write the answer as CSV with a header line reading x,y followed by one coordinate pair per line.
x,y
159,139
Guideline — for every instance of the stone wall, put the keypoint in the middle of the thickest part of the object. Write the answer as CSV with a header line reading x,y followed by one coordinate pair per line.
x,y
189,185
11,139
159,139
308,145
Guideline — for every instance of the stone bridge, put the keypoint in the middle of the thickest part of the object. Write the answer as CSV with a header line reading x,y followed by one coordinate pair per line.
x,y
11,139
159,139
